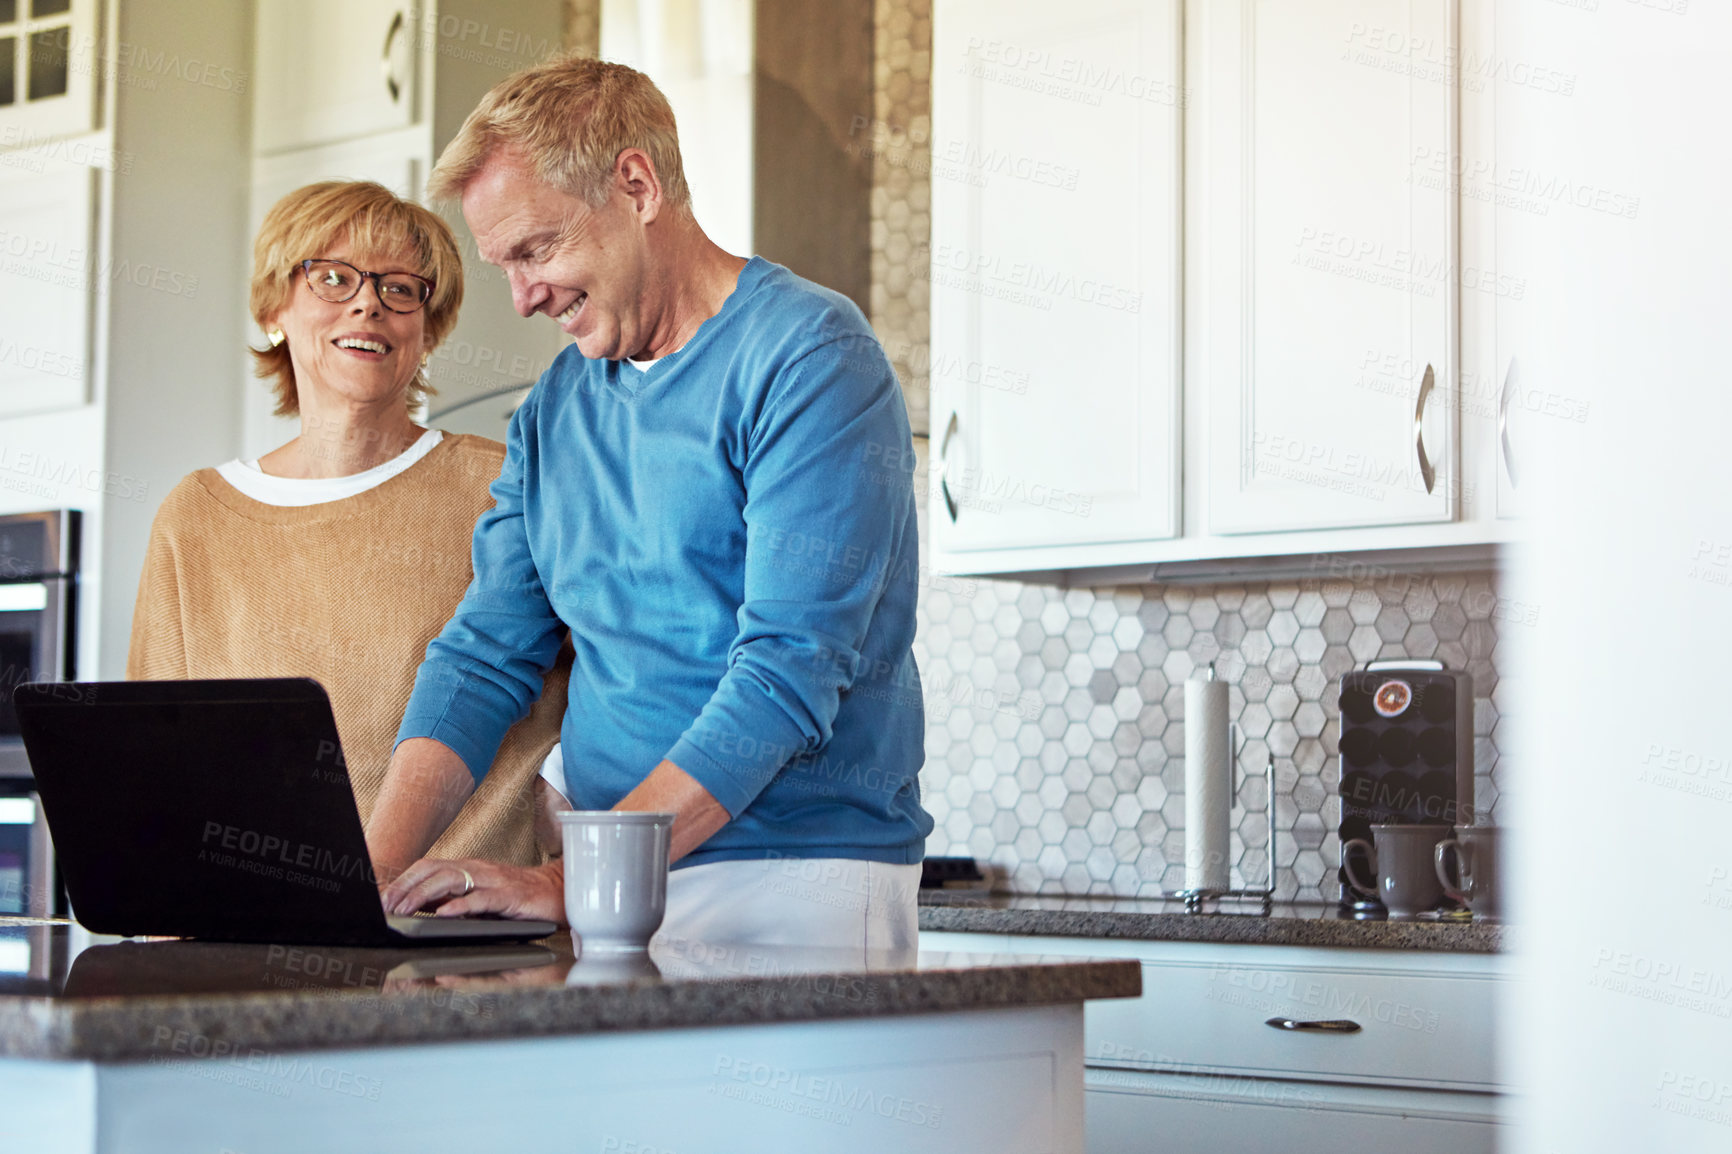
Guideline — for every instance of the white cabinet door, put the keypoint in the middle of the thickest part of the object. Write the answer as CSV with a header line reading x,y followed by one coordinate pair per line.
x,y
1055,273
1512,228
398,162
49,276
51,65
1533,187
1327,275
333,70
1532,190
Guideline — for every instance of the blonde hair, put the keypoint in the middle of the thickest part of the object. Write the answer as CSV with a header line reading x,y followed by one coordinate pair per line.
x,y
371,219
570,117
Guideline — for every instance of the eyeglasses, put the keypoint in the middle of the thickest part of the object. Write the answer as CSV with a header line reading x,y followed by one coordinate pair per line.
x,y
337,281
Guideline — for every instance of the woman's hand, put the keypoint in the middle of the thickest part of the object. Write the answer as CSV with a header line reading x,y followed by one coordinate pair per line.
x,y
508,891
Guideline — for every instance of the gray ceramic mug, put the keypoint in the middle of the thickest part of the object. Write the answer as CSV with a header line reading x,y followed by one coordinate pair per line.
x,y
1475,881
616,877
1402,860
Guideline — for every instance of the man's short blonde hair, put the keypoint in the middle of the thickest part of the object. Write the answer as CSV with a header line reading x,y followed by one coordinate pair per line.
x,y
569,117
308,223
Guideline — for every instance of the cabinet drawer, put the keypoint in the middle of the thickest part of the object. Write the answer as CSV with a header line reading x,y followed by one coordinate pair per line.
x,y
1192,1114
1426,1019
1415,1027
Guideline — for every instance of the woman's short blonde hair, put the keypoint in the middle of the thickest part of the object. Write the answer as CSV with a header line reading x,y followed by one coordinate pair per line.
x,y
371,219
570,117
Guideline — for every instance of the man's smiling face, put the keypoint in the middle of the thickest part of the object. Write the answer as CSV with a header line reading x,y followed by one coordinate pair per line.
x,y
586,267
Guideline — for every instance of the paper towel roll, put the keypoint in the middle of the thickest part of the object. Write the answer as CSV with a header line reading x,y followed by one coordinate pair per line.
x,y
1208,783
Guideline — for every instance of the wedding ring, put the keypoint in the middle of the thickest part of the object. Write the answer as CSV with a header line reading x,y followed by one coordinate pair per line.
x,y
468,882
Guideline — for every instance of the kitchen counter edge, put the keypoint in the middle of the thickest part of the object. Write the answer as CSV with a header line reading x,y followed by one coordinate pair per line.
x,y
948,911
153,1028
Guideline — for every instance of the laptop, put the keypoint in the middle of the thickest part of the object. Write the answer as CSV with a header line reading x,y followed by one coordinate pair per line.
x,y
214,809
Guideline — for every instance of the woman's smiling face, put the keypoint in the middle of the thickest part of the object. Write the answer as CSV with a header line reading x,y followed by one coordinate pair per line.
x,y
357,351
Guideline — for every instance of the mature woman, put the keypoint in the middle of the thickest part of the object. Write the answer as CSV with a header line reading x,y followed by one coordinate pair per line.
x,y
341,554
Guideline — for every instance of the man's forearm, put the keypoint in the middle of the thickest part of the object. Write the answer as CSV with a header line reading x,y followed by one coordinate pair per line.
x,y
425,786
670,789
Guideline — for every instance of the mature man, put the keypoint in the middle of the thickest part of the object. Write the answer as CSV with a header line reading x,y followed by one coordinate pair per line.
x,y
711,493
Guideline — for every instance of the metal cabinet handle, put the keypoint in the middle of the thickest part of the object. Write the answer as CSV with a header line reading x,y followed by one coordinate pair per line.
x,y
944,466
1503,399
1427,471
391,34
1324,1026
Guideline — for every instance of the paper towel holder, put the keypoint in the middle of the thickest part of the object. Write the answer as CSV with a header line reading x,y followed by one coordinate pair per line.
x,y
1195,899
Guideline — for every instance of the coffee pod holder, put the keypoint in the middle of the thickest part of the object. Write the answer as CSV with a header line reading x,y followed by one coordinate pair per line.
x,y
1196,900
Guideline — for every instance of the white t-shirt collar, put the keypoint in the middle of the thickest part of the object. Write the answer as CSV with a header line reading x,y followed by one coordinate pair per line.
x,y
261,486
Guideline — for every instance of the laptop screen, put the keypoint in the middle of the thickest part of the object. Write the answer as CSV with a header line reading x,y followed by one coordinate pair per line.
x,y
208,809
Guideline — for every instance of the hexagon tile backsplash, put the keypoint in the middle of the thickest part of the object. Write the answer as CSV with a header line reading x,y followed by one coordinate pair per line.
x,y
1055,729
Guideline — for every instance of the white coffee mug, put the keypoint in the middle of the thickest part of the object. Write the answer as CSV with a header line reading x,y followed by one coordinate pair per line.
x,y
616,877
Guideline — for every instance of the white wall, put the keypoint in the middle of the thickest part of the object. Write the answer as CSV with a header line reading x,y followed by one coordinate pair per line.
x,y
1620,1038
699,53
172,404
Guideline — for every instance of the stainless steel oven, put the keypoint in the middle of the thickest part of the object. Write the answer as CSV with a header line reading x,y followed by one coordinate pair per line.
x,y
28,884
38,642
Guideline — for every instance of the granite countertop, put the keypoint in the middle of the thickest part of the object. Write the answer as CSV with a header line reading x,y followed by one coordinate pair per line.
x,y
1157,920
167,1000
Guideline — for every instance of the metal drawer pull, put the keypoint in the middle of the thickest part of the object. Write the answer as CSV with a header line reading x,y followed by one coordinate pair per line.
x,y
1427,472
1325,1026
943,467
391,85
1509,380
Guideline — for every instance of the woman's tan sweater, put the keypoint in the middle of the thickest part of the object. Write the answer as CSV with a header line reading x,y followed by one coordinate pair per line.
x,y
349,593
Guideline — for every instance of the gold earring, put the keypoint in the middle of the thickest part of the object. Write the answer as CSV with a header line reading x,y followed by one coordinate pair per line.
x,y
425,357
276,337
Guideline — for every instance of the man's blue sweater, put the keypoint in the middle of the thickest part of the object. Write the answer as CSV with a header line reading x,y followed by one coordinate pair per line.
x,y
730,538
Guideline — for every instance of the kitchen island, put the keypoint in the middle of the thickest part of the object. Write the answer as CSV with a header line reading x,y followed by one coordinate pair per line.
x,y
175,1046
